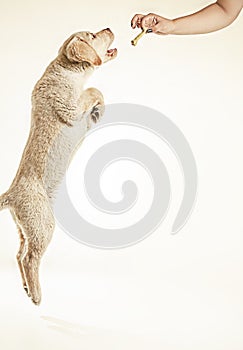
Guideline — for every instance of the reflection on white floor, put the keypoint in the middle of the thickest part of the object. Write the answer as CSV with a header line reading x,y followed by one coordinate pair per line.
x,y
98,337
114,311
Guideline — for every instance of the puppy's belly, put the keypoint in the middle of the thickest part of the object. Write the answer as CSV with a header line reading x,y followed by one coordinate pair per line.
x,y
60,154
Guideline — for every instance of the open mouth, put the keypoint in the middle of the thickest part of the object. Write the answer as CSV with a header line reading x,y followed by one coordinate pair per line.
x,y
111,53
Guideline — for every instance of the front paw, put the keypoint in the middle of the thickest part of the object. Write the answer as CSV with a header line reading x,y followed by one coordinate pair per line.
x,y
97,112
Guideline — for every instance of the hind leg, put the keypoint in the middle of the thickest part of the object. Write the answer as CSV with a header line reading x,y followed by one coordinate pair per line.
x,y
31,264
20,255
38,238
37,226
22,248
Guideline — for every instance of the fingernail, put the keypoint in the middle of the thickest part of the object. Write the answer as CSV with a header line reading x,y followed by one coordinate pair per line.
x,y
149,30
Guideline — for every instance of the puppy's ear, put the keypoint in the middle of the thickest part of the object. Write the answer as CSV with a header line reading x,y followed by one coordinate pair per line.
x,y
79,50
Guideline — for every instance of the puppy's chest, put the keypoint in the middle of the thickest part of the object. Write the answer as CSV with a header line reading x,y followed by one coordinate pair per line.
x,y
61,151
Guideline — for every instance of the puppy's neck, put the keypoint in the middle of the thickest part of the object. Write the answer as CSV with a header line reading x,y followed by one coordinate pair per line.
x,y
82,67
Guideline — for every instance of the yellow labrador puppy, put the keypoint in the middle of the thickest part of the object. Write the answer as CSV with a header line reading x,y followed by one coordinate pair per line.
x,y
62,112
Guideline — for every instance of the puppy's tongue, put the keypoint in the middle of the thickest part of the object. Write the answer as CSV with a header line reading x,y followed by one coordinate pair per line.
x,y
111,52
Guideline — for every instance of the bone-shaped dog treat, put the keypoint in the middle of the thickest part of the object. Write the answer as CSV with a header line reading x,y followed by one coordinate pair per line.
x,y
139,36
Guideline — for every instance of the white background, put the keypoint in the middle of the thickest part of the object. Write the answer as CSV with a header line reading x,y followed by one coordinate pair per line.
x,y
168,292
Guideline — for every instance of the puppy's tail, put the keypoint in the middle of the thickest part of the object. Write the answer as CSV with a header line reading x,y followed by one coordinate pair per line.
x,y
4,201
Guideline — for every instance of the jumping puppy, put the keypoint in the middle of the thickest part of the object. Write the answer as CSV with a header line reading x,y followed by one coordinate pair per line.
x,y
62,112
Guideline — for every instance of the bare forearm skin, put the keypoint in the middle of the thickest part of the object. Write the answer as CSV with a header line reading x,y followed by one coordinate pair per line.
x,y
211,18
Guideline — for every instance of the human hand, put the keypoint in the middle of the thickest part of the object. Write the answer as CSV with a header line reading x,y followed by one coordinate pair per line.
x,y
156,24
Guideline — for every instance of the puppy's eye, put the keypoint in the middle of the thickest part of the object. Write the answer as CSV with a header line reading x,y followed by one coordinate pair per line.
x,y
93,35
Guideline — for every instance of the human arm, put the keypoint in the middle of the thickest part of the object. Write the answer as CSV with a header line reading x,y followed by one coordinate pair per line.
x,y
209,19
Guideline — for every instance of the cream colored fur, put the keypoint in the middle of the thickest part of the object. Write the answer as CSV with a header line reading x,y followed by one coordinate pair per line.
x,y
62,112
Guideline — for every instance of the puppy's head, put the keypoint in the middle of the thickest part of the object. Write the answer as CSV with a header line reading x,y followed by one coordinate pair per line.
x,y
89,47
